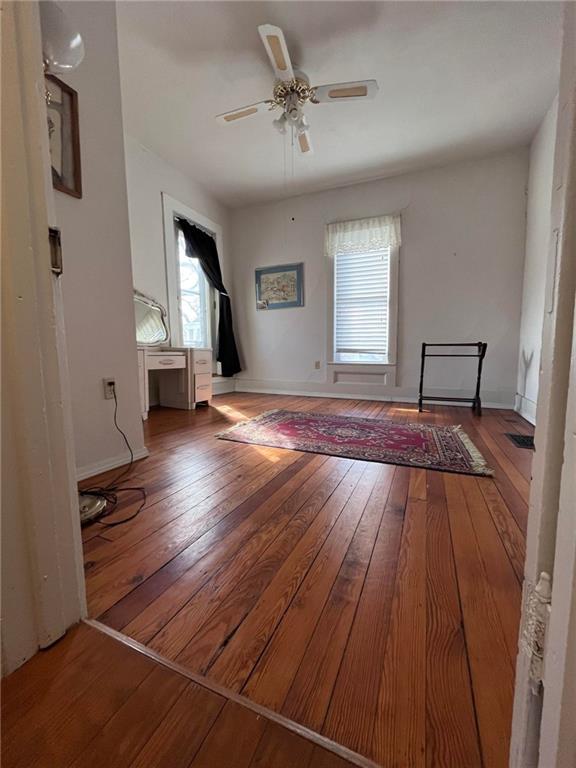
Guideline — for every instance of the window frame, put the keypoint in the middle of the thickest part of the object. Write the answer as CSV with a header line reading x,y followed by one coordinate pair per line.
x,y
172,208
391,360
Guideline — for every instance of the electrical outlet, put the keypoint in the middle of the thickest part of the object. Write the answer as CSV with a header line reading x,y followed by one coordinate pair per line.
x,y
109,387
317,365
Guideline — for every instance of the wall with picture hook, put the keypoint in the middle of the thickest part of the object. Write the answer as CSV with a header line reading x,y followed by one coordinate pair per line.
x,y
461,262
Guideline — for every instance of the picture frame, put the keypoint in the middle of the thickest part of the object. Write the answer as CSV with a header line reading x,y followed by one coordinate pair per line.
x,y
280,287
64,136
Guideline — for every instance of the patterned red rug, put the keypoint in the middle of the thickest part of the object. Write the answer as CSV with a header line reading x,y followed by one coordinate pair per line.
x,y
448,449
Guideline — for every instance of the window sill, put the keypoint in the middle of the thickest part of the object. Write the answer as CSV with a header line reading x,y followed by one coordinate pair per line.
x,y
365,364
362,374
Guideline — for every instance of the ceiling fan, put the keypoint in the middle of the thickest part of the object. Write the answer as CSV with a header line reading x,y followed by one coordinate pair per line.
x,y
293,90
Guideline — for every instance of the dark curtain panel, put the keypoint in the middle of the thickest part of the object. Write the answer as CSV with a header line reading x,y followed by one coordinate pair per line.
x,y
202,246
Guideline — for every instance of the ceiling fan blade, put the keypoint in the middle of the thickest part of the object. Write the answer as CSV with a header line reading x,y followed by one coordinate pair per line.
x,y
304,142
240,114
361,89
277,50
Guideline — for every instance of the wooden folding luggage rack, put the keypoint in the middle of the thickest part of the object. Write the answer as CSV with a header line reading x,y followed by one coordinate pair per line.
x,y
480,354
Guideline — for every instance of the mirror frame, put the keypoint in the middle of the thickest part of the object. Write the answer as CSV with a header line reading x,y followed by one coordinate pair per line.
x,y
150,302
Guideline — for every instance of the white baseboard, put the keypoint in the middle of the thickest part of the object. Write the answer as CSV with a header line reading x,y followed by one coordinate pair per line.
x,y
526,408
222,385
392,397
89,470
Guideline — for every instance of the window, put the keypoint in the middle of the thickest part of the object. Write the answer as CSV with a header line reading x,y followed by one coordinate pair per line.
x,y
192,312
364,254
193,298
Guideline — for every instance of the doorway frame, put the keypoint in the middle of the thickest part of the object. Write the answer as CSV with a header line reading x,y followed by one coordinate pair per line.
x,y
541,734
43,575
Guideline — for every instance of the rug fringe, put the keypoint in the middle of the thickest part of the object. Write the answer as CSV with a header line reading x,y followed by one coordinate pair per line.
x,y
478,461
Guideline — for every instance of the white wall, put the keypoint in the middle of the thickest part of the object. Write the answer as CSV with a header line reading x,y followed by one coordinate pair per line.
x,y
147,177
461,261
537,241
97,279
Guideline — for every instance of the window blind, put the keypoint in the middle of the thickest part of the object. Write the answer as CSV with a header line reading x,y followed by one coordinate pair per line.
x,y
361,297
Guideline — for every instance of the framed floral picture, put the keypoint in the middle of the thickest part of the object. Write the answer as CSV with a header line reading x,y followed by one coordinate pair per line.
x,y
64,135
280,287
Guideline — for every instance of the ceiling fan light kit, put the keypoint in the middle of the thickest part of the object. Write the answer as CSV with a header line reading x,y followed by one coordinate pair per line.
x,y
62,44
292,91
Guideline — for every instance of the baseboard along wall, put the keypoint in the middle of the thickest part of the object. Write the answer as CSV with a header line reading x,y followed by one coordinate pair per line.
x,y
89,470
365,392
526,408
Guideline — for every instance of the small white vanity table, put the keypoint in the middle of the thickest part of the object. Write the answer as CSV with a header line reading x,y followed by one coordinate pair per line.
x,y
186,377
185,373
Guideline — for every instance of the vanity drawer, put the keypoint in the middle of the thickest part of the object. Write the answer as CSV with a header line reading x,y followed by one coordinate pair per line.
x,y
202,361
202,387
158,361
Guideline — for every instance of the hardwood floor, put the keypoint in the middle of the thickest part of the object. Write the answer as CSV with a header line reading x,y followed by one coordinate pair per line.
x,y
91,701
375,604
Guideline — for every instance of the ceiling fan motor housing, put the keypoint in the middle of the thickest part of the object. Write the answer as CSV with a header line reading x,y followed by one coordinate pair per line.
x,y
292,92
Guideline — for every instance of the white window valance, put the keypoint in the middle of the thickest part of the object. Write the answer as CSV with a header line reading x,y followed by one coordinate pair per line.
x,y
364,235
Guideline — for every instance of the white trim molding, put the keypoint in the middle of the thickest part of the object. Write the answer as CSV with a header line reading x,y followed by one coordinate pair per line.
x,y
171,208
223,385
526,408
90,470
359,391
392,311
377,374
543,724
42,569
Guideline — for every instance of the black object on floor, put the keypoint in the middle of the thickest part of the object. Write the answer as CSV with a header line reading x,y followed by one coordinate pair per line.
x,y
521,441
481,347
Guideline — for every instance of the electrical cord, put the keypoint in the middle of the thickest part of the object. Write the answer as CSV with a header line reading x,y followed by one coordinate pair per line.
x,y
110,491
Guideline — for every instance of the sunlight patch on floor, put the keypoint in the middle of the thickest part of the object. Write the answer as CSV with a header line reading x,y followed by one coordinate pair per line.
x,y
233,414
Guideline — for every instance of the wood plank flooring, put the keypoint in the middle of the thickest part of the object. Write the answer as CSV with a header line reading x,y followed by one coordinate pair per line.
x,y
375,604
91,701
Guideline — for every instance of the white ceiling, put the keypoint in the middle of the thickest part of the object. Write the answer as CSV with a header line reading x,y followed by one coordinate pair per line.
x,y
457,79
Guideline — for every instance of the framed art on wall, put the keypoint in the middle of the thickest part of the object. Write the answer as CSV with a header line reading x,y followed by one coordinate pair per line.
x,y
64,136
280,287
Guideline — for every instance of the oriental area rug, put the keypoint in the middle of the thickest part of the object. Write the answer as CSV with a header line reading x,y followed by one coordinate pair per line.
x,y
448,449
